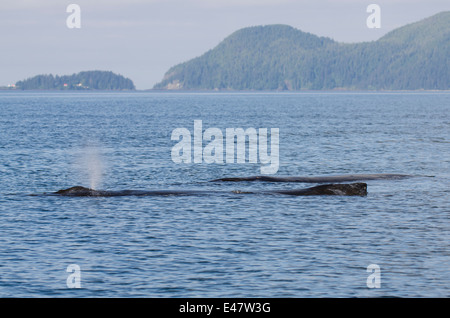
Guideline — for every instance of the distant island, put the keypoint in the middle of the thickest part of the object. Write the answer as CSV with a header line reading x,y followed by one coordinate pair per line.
x,y
280,57
88,80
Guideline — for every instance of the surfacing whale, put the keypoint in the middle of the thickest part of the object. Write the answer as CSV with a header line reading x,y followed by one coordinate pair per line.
x,y
320,179
352,189
79,191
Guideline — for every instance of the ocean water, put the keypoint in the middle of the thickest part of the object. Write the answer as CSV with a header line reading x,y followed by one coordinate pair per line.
x,y
223,244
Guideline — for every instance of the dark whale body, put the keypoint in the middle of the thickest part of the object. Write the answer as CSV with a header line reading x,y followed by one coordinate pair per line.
x,y
323,179
79,191
358,189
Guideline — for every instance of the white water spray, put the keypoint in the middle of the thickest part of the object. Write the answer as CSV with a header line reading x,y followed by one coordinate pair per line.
x,y
90,165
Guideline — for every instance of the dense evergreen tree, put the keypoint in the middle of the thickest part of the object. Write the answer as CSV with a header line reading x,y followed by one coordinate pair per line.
x,y
279,57
96,80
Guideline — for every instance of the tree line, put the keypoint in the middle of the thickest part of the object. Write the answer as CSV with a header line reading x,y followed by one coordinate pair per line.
x,y
279,57
88,80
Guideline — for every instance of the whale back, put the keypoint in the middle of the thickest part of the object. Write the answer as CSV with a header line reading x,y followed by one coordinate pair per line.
x,y
319,179
358,189
76,191
324,189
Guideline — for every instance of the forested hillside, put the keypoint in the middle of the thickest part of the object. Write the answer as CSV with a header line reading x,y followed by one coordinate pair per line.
x,y
279,57
89,80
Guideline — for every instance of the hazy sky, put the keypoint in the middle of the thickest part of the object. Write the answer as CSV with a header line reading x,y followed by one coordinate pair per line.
x,y
141,39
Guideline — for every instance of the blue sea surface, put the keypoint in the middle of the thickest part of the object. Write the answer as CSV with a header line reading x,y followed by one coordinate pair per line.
x,y
223,244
